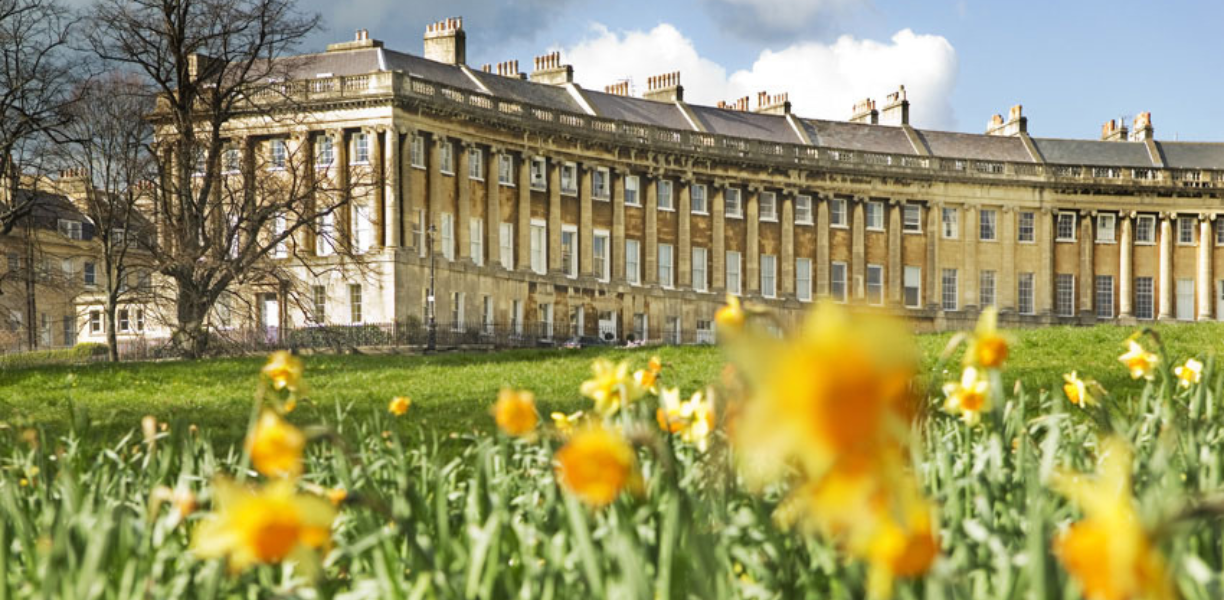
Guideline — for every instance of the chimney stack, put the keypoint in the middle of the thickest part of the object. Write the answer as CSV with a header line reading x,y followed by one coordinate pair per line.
x,y
445,41
620,88
664,88
1015,124
865,112
778,104
1142,131
1114,130
548,69
740,104
896,109
359,41
510,68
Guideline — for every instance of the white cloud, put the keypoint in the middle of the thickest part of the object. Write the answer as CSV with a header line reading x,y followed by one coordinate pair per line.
x,y
767,19
824,80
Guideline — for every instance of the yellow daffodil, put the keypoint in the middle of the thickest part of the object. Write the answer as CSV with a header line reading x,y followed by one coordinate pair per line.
x,y
647,378
1108,552
987,348
337,496
1077,391
1138,361
1189,373
399,405
276,446
730,317
903,544
515,412
611,387
969,398
595,465
692,419
566,424
284,370
265,526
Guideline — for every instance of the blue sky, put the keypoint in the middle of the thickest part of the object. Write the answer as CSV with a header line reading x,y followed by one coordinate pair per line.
x,y
1073,64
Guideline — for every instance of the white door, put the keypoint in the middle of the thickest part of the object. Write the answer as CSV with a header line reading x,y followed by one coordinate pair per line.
x,y
607,325
1220,300
269,316
1185,299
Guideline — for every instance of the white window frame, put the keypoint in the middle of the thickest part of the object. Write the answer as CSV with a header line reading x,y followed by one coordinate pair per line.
x,y
699,199
838,217
486,315
633,190
949,223
1026,297
476,163
768,205
875,298
1026,233
281,250
361,149
988,292
278,154
913,226
1107,223
539,173
570,270
476,240
416,152
505,169
839,285
89,274
803,209
949,290
1103,296
1183,300
356,300
96,324
988,225
325,239
1064,294
601,184
363,227
667,266
769,276
70,228
1062,218
318,299
916,272
446,157
633,261
1150,238
325,152
700,269
1185,225
601,265
448,236
733,209
457,316
735,272
874,215
569,178
506,241
538,237
803,279
670,204
1145,298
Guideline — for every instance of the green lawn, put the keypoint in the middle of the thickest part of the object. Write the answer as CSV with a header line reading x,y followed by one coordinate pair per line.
x,y
452,392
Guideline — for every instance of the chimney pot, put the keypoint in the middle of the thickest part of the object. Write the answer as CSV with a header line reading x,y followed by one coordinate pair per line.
x,y
446,42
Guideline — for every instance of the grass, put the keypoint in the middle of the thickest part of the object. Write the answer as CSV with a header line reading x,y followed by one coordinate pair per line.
x,y
452,392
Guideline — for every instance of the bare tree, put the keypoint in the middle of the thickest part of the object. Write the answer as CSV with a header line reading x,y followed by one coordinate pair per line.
x,y
220,211
111,153
36,80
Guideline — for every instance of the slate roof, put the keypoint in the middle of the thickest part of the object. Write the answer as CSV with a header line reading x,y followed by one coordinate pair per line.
x,y
773,128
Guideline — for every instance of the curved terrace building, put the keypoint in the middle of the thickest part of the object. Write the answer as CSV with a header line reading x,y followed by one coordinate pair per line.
x,y
555,205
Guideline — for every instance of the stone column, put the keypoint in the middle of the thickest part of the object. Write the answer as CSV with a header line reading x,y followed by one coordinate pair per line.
x,y
1125,268
969,278
301,156
392,234
787,270
523,213
342,219
618,224
493,220
1087,283
463,218
1204,285
893,297
934,299
858,251
651,186
408,193
1044,286
684,239
1165,281
822,245
435,192
585,228
378,184
554,217
1005,287
752,254
718,216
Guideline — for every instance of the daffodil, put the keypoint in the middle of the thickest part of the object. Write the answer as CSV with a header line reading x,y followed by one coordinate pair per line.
x,y
595,465
1077,390
647,378
692,419
611,387
970,397
566,424
276,446
903,544
730,317
284,370
1189,374
399,405
1138,361
515,412
1108,552
987,348
264,526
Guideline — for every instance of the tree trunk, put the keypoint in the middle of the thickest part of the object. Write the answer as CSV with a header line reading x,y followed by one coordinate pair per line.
x,y
191,334
31,293
112,333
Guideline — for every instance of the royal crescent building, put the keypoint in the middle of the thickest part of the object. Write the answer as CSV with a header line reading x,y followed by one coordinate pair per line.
x,y
549,204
